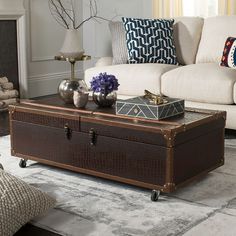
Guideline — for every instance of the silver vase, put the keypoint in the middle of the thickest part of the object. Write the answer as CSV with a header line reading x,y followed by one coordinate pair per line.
x,y
67,87
80,99
104,100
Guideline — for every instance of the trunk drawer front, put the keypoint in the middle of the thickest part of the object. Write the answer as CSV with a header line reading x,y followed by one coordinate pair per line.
x,y
55,121
136,161
59,121
124,133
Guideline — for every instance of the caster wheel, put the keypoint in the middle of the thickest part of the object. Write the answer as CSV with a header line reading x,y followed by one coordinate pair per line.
x,y
1,167
155,195
22,163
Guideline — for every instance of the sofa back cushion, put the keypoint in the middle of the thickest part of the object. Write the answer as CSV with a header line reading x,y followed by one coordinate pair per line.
x,y
187,35
118,39
214,34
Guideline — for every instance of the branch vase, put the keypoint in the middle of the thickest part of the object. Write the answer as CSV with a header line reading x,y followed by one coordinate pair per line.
x,y
71,47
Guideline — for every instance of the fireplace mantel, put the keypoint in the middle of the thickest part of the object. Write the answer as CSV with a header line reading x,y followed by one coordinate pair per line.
x,y
14,10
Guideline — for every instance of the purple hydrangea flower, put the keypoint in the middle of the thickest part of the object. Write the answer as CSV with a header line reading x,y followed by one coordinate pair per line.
x,y
104,83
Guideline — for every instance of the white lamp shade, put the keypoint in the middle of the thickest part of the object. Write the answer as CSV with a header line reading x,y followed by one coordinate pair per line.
x,y
71,46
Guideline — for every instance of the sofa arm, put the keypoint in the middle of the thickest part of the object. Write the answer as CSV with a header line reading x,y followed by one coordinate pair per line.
x,y
104,61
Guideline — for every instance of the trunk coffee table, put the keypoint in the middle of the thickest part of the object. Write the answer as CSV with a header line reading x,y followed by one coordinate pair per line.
x,y
158,155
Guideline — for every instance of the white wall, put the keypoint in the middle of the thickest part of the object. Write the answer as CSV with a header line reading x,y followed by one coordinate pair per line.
x,y
44,40
45,37
96,36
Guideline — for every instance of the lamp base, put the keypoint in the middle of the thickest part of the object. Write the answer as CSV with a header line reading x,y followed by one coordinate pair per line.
x,y
67,87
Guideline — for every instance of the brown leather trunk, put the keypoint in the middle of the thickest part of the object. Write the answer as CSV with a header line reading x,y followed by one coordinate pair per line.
x,y
152,154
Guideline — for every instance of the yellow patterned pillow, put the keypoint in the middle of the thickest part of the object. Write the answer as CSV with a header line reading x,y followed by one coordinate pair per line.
x,y
19,203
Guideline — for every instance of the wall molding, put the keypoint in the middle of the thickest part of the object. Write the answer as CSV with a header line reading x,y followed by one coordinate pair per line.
x,y
46,84
42,34
38,59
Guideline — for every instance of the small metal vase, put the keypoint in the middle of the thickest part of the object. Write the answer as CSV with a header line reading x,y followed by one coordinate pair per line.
x,y
67,87
80,99
104,100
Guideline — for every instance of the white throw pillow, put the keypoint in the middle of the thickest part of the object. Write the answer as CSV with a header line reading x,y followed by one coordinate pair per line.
x,y
119,47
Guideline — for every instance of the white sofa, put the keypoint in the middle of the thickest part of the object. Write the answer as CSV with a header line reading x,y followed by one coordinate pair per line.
x,y
201,81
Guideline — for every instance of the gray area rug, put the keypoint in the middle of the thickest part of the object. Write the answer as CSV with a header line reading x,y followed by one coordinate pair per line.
x,y
89,206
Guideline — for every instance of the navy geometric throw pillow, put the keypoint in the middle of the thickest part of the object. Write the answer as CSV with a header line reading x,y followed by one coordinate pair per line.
x,y
150,40
229,54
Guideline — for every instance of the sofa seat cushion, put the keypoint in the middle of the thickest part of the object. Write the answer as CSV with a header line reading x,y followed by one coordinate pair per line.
x,y
207,82
133,78
230,111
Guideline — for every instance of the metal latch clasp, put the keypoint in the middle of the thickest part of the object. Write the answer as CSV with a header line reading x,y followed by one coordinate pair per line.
x,y
68,131
92,137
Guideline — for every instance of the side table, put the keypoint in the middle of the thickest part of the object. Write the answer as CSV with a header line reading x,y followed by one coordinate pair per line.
x,y
68,86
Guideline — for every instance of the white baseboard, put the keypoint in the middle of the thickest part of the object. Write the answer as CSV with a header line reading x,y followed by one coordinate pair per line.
x,y
42,85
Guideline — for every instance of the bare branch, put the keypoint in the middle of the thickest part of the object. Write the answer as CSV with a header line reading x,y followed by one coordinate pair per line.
x,y
73,13
58,13
89,18
63,11
59,20
101,18
95,8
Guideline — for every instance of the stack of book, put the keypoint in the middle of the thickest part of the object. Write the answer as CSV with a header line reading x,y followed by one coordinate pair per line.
x,y
8,95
